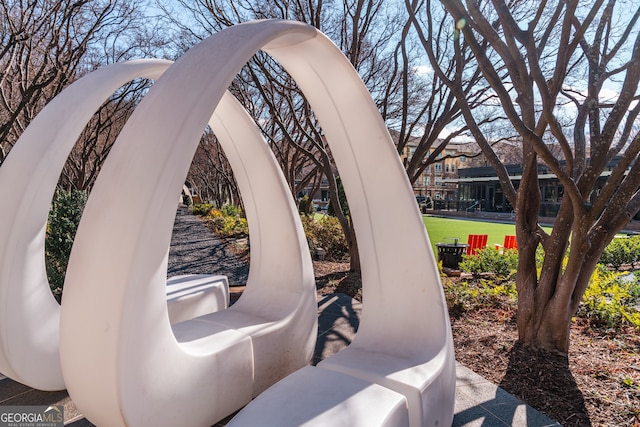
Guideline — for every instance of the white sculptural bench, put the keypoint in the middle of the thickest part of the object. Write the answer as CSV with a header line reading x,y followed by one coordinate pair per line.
x,y
135,358
194,295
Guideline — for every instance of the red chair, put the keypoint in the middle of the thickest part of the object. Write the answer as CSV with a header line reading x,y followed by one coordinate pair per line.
x,y
510,242
476,241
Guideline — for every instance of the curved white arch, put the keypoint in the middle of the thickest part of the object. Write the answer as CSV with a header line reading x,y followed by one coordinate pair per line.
x,y
131,362
29,315
130,365
404,340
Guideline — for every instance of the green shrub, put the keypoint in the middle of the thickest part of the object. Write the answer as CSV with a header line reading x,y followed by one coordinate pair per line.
x,y
231,210
229,226
326,233
463,295
621,251
64,217
215,213
489,260
611,299
201,209
226,222
305,205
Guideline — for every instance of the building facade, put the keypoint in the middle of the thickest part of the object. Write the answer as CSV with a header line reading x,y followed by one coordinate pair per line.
x,y
479,187
435,182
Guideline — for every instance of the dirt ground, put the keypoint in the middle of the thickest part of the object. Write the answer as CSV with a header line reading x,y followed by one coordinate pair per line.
x,y
597,385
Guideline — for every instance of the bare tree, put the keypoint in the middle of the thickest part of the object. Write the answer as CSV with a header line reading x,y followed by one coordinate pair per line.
x,y
423,109
274,103
553,52
47,44
211,175
357,27
95,142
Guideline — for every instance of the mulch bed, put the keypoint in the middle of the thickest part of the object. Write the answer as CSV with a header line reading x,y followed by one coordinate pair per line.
x,y
598,384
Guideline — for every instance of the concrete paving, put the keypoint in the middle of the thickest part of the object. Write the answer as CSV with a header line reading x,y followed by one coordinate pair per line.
x,y
481,403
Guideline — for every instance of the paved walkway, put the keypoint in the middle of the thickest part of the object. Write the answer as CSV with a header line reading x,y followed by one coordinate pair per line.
x,y
195,250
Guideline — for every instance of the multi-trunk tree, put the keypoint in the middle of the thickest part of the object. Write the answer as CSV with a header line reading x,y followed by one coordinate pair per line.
x,y
553,66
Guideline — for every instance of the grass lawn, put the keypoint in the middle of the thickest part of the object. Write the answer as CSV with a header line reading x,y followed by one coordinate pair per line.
x,y
443,229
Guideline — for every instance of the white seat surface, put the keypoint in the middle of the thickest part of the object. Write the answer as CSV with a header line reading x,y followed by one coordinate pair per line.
x,y
316,397
194,295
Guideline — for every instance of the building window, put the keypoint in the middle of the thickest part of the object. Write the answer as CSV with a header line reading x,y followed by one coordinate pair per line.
x,y
438,167
463,159
453,168
446,167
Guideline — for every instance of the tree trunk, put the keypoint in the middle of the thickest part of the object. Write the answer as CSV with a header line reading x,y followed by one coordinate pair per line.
x,y
341,212
354,257
548,326
546,305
